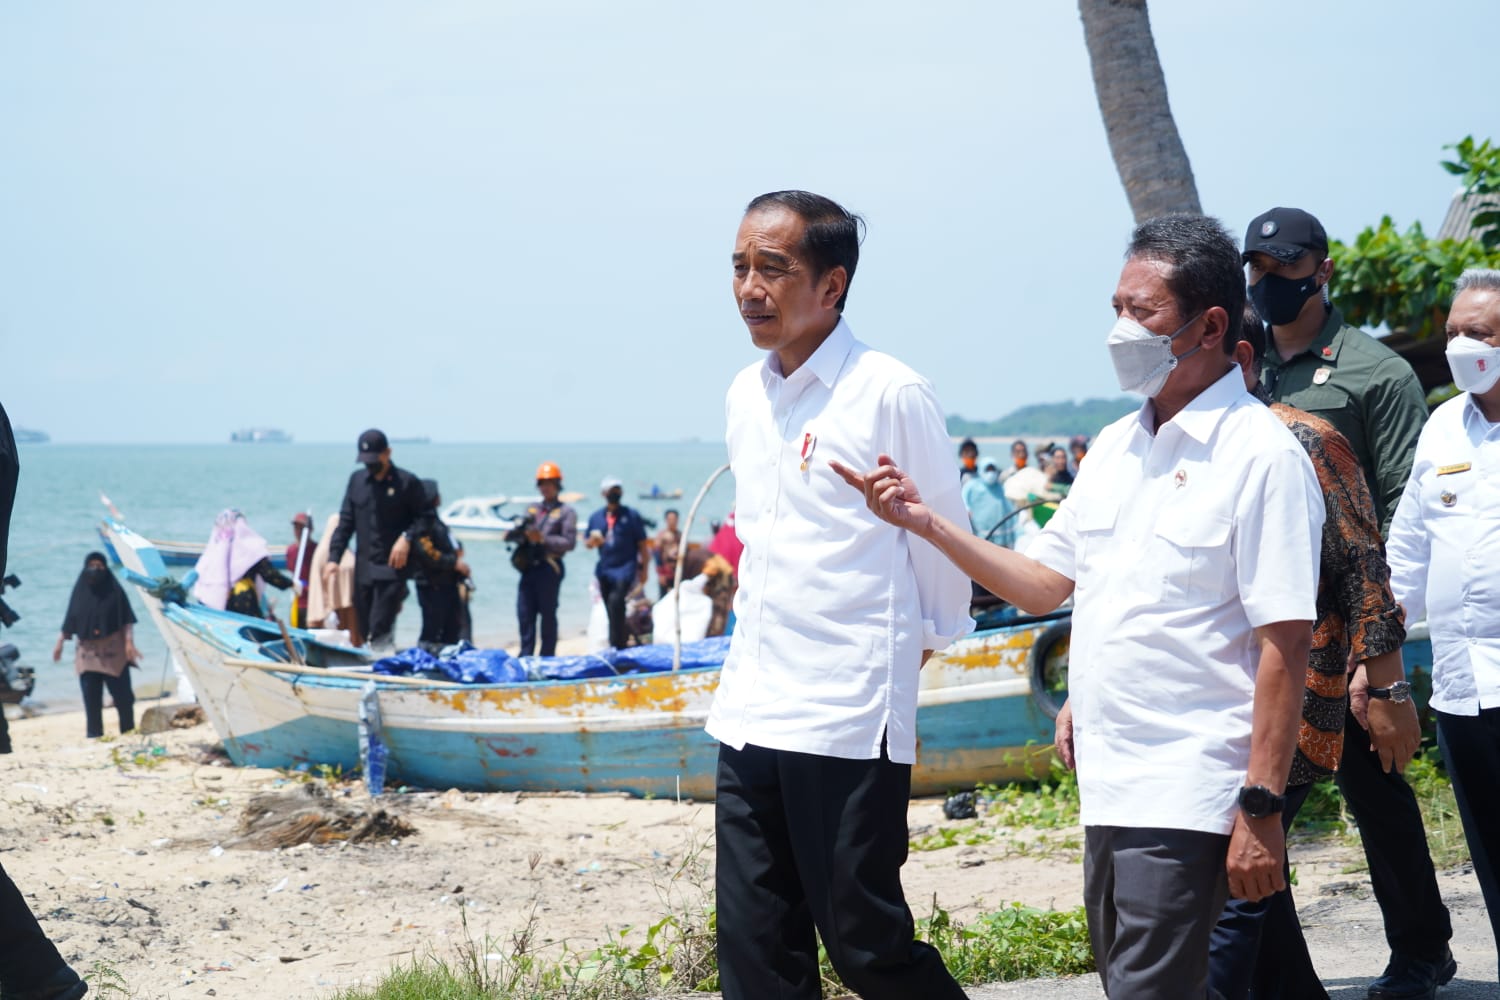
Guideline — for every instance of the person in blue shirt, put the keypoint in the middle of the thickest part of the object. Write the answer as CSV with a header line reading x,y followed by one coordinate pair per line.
x,y
624,555
989,508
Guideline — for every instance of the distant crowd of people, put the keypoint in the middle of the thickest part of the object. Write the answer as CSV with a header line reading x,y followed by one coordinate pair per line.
x,y
1008,504
389,533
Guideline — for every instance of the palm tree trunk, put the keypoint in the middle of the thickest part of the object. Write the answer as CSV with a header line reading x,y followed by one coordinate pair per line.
x,y
1132,92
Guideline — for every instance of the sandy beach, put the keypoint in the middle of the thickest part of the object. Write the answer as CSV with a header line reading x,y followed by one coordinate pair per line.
x,y
127,850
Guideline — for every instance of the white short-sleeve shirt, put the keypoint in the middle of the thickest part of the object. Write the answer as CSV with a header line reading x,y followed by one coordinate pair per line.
x,y
1445,554
834,606
1180,544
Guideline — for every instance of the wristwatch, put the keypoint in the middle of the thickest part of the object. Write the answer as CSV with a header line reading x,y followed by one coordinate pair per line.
x,y
1398,693
1258,801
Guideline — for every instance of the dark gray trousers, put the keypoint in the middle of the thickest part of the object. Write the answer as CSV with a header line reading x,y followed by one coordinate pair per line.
x,y
1153,897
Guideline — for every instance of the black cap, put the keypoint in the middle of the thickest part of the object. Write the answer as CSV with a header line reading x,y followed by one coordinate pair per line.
x,y
1286,234
371,443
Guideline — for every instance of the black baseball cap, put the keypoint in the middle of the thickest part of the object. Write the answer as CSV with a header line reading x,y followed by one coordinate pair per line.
x,y
371,443
1286,234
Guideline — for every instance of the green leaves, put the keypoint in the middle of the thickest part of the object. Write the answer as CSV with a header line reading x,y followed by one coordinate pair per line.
x,y
1404,280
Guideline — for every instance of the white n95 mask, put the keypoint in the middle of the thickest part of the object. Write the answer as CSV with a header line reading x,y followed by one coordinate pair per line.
x,y
1143,359
1475,364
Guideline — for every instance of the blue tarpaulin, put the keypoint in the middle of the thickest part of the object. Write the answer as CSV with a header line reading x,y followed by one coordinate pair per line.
x,y
466,665
658,657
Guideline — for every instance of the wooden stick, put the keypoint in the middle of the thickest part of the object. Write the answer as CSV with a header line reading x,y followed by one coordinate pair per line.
x,y
291,647
285,668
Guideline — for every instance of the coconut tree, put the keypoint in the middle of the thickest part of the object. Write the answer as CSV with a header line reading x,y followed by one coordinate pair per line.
x,y
1132,94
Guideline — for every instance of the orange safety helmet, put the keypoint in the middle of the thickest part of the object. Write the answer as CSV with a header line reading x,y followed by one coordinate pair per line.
x,y
548,470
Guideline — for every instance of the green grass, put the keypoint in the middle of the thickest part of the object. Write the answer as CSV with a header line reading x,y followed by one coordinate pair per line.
x,y
106,983
1018,942
1325,811
1032,818
674,956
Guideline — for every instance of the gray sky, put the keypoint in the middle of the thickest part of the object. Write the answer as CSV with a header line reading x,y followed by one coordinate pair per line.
x,y
512,222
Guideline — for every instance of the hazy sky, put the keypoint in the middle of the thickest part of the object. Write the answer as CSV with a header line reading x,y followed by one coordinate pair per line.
x,y
512,222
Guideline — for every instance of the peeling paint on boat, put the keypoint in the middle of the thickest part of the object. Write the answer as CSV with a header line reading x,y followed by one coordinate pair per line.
x,y
641,733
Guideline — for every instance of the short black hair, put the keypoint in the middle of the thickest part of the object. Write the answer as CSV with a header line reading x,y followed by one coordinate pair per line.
x,y
1206,269
831,233
967,444
1253,332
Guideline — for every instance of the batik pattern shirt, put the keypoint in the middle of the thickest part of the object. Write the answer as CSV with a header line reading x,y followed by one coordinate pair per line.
x,y
1356,611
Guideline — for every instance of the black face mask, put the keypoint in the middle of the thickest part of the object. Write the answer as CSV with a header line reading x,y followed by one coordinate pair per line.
x,y
373,468
1279,300
98,579
613,496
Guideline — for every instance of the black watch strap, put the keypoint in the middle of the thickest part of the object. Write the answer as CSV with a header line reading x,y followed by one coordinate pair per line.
x,y
1398,692
1258,801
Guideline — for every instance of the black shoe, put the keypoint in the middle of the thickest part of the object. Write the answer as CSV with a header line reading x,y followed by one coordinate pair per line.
x,y
63,984
1408,978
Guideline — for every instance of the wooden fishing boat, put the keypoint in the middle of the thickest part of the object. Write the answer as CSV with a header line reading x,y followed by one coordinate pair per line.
x,y
984,712
179,553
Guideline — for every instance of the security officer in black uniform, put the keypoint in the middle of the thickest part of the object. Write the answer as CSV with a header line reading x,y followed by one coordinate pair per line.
x,y
439,567
381,503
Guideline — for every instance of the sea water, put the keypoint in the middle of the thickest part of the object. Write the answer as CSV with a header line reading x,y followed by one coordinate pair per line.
x,y
174,492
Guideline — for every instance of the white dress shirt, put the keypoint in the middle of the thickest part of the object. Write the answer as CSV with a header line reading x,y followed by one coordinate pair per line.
x,y
1180,544
1445,554
834,606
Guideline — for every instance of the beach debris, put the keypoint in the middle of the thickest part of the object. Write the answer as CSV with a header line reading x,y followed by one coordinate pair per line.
x,y
960,806
214,755
160,718
307,814
151,910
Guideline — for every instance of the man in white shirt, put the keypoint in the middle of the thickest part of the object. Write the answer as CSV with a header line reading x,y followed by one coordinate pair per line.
x,y
1190,544
1442,549
836,612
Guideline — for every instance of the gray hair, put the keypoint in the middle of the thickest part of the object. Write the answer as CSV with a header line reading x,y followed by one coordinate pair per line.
x,y
1479,279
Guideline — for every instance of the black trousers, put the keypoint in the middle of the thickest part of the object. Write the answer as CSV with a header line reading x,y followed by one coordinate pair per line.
x,y
1471,748
809,843
27,956
440,613
1390,825
377,603
614,592
1257,948
93,684
1152,898
537,598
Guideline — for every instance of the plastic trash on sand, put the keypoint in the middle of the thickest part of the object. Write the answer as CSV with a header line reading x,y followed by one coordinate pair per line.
x,y
372,751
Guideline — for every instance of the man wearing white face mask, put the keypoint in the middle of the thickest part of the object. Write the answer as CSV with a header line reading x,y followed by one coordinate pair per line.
x,y
1189,542
1442,556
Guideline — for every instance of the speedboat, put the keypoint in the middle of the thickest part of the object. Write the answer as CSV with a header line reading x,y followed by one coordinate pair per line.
x,y
484,517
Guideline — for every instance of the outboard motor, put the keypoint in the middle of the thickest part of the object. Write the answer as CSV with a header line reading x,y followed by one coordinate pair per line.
x,y
16,681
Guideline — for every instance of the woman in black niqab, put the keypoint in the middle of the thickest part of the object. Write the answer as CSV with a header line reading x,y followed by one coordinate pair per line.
x,y
100,619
